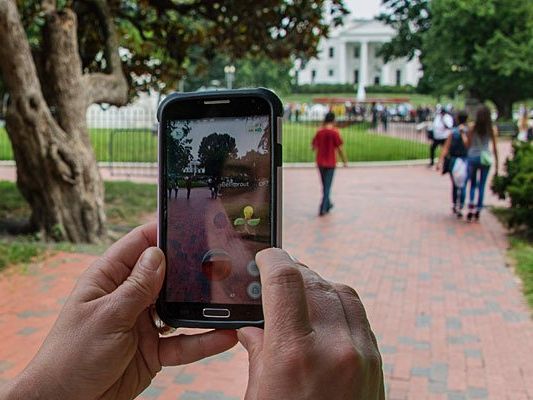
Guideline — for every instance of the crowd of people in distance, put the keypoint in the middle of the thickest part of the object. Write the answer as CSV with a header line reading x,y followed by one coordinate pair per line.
x,y
373,112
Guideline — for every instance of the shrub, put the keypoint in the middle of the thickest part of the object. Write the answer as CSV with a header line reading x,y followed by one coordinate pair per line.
x,y
517,184
327,88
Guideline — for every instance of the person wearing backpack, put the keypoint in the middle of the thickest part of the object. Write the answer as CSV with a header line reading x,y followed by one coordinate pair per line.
x,y
453,160
480,158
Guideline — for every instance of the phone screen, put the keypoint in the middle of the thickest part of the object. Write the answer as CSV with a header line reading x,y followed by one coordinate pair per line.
x,y
218,216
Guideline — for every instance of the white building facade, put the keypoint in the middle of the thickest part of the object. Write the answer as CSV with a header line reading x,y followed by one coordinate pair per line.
x,y
349,55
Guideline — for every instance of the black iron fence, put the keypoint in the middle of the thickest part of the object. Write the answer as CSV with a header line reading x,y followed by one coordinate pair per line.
x,y
125,139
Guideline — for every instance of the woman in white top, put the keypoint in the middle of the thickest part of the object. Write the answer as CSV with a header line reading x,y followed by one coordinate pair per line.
x,y
480,159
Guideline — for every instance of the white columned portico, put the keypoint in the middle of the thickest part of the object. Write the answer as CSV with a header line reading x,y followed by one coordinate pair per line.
x,y
363,70
342,62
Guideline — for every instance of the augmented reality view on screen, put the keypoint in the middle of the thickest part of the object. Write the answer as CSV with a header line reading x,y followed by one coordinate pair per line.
x,y
218,206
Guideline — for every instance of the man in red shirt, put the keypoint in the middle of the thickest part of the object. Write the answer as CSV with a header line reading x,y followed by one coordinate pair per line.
x,y
327,143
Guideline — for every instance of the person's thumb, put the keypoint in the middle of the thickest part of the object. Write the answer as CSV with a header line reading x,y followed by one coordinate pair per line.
x,y
142,287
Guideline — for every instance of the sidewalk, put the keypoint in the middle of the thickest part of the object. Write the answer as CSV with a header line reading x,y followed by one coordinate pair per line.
x,y
449,316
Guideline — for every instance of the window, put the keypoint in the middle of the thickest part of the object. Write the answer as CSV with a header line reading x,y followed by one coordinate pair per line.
x,y
331,52
398,77
377,81
313,75
331,72
356,76
356,52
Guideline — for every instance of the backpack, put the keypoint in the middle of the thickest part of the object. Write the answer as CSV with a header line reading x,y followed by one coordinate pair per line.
x,y
457,146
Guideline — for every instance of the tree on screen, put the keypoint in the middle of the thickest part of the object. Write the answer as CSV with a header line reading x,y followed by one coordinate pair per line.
x,y
215,151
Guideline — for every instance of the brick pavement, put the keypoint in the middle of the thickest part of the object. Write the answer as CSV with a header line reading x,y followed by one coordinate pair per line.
x,y
448,313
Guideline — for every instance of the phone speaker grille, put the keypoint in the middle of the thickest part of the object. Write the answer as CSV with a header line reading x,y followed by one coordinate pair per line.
x,y
227,101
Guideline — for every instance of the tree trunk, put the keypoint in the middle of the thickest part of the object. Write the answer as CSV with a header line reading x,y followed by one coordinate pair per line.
x,y
505,109
56,168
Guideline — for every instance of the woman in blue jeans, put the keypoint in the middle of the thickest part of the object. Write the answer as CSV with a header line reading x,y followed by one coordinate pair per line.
x,y
480,159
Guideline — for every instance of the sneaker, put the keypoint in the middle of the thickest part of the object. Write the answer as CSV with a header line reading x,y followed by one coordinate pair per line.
x,y
476,216
330,207
459,214
469,216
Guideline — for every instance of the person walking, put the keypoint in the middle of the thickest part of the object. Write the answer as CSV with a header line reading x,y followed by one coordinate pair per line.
x,y
442,124
480,159
188,185
327,143
453,160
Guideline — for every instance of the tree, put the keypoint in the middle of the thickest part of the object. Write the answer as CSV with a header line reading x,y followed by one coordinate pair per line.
x,y
485,47
57,57
251,71
214,151
178,150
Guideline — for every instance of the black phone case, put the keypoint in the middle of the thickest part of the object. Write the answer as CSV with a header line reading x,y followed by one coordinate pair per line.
x,y
276,117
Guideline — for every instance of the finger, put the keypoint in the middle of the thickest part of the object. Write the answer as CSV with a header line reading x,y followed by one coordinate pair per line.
x,y
185,349
251,339
115,265
142,287
355,315
323,302
283,292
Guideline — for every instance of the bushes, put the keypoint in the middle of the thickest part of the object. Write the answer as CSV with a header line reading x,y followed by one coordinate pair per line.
x,y
518,185
350,88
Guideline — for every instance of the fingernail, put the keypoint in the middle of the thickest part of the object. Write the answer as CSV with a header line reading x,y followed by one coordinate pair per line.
x,y
151,258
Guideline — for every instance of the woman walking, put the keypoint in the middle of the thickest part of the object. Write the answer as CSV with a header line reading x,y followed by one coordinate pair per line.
x,y
453,160
480,159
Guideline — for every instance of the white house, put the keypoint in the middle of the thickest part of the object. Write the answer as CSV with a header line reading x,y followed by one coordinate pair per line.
x,y
349,55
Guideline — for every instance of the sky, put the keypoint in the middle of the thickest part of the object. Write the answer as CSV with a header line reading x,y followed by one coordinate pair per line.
x,y
363,8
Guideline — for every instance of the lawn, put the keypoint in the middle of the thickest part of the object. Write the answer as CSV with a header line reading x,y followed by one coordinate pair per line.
x,y
360,145
127,205
141,145
522,253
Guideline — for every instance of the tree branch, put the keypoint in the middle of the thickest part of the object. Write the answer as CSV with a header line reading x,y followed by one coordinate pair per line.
x,y
110,87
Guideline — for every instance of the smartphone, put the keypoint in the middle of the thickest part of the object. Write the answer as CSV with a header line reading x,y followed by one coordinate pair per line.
x,y
219,204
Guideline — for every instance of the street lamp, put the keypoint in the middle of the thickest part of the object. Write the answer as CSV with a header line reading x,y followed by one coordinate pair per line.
x,y
229,70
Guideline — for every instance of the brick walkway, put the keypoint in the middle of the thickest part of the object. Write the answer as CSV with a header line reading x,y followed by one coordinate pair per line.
x,y
448,313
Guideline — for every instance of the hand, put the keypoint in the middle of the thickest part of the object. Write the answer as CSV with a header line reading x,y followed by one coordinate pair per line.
x,y
437,167
104,344
317,342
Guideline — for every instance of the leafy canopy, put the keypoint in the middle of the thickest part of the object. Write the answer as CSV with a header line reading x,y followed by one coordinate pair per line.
x,y
482,46
162,40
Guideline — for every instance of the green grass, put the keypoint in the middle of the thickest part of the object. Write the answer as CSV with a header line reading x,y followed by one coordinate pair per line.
x,y
522,253
127,205
359,144
18,252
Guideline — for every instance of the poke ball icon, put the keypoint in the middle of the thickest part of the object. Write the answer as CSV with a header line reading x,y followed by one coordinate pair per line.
x,y
216,265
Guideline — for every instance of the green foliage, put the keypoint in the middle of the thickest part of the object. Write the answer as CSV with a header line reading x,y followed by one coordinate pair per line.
x,y
18,252
325,88
251,71
483,47
410,19
127,203
178,147
329,88
169,40
214,151
517,184
522,252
